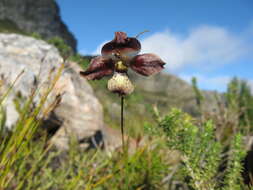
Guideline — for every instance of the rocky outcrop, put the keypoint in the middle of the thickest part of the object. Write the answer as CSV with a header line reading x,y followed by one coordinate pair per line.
x,y
79,113
167,90
40,16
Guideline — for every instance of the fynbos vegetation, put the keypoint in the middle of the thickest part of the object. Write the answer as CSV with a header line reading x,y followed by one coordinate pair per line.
x,y
181,152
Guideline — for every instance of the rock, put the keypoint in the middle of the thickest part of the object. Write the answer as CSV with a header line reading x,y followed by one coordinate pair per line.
x,y
248,141
40,16
79,109
167,90
79,113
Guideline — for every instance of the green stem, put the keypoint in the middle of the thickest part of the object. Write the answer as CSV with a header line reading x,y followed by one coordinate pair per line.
x,y
122,122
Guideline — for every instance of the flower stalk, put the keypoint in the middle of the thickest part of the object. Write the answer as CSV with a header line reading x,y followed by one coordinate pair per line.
x,y
122,122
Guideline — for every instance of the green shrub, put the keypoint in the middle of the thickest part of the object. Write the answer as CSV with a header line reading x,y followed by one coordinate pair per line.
x,y
202,153
7,26
36,36
198,94
81,60
240,100
233,178
63,48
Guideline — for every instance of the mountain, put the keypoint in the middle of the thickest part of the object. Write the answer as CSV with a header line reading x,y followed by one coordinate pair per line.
x,y
35,16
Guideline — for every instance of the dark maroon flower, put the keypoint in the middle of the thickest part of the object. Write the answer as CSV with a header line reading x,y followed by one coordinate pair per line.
x,y
117,56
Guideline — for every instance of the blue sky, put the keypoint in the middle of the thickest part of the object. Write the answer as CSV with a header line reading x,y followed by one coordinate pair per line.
x,y
209,39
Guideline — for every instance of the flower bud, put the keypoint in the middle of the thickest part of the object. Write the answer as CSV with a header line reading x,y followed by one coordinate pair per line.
x,y
120,84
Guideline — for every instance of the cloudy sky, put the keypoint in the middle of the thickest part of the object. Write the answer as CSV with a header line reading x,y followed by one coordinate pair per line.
x,y
211,40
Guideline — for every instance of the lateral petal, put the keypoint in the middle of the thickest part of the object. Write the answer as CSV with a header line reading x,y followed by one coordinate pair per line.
x,y
98,68
147,64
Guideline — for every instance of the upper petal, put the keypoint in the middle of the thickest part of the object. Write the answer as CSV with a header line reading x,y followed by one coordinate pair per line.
x,y
147,64
122,45
120,37
98,68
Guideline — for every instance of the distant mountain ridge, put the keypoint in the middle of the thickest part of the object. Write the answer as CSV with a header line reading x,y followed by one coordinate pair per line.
x,y
174,92
39,16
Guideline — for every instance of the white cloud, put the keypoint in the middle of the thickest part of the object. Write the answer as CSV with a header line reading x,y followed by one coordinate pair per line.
x,y
206,46
98,50
218,83
209,83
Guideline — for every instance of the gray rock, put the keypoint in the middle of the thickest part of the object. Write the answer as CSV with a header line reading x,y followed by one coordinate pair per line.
x,y
79,109
79,112
248,141
167,90
40,16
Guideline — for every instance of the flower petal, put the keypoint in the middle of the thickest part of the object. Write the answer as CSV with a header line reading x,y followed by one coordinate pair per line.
x,y
147,64
98,68
120,37
121,45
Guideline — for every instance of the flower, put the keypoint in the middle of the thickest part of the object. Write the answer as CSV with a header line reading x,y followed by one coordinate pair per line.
x,y
116,57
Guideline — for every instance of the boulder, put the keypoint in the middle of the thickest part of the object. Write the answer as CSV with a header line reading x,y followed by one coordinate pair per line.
x,y
78,113
167,90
